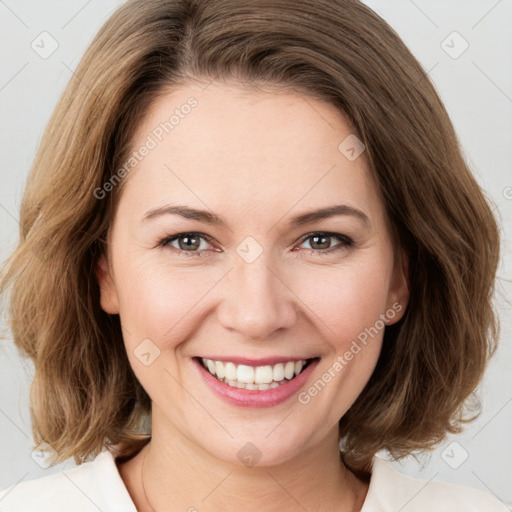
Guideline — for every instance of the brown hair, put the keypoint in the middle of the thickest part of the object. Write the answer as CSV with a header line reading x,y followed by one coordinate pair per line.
x,y
84,392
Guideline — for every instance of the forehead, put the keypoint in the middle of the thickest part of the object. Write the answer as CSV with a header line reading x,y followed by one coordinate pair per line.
x,y
247,152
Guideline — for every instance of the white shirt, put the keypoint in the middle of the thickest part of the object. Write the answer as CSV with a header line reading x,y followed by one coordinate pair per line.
x,y
96,486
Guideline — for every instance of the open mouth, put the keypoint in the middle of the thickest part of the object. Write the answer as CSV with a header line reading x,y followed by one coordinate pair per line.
x,y
255,377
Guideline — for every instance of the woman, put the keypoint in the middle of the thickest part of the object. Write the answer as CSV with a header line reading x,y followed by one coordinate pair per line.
x,y
250,224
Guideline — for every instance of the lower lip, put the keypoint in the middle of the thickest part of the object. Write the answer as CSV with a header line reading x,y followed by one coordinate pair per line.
x,y
252,397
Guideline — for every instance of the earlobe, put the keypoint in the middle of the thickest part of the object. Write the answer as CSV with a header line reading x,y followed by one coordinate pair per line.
x,y
108,294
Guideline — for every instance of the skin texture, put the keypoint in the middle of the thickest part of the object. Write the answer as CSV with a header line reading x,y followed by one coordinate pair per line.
x,y
257,159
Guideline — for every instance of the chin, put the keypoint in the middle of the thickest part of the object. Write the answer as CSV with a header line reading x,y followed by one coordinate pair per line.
x,y
258,449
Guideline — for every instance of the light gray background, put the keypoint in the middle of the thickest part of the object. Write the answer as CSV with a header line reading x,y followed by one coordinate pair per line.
x,y
477,90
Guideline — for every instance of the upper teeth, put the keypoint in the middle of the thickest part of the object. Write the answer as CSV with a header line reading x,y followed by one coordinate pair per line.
x,y
254,374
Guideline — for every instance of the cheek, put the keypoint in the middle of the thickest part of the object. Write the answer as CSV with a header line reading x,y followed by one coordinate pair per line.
x,y
158,301
346,304
346,300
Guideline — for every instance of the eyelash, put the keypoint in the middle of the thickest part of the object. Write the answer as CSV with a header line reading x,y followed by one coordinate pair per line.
x,y
346,242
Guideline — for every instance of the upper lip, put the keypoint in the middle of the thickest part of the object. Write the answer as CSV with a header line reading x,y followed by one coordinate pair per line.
x,y
257,362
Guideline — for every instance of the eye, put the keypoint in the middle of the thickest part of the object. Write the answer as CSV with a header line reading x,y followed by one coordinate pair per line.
x,y
189,244
320,242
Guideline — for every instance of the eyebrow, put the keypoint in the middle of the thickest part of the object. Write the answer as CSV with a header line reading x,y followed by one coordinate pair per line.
x,y
209,217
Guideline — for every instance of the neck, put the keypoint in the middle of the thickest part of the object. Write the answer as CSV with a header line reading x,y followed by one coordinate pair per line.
x,y
179,475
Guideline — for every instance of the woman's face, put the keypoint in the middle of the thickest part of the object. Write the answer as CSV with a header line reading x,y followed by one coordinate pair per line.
x,y
257,280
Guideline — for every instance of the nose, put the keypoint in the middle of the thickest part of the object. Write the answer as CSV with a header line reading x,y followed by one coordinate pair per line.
x,y
256,302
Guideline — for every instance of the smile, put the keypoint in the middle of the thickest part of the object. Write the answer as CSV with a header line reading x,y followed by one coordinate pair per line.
x,y
255,377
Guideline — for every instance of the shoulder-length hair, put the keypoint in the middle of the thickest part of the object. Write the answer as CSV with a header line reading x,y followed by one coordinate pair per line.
x,y
84,393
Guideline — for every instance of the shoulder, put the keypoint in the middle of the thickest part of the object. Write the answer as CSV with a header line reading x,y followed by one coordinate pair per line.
x,y
91,486
391,490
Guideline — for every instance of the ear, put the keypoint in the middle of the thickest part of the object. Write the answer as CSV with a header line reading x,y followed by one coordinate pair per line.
x,y
399,289
108,294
